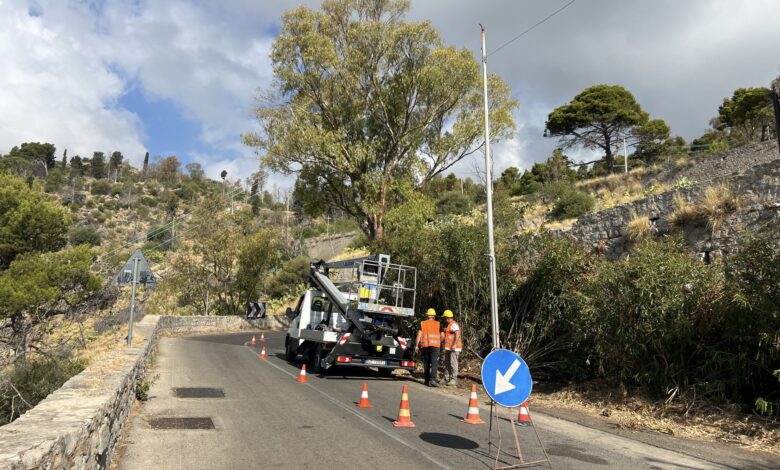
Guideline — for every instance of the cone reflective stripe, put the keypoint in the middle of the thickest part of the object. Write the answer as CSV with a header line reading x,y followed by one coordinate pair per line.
x,y
262,353
523,416
472,416
252,341
302,377
364,398
262,337
404,413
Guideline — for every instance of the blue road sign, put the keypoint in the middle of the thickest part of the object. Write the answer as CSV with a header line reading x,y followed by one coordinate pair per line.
x,y
506,378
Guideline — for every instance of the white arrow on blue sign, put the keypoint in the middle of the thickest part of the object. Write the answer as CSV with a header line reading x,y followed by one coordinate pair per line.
x,y
506,378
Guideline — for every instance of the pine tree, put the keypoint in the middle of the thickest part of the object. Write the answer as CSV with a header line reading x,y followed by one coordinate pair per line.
x,y
65,159
146,166
98,165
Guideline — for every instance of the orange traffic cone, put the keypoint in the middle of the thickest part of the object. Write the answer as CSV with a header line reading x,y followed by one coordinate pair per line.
x,y
252,341
472,416
364,398
262,354
404,413
262,337
302,377
523,416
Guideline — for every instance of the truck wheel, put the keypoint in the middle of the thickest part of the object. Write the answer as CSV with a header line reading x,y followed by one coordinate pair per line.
x,y
315,359
290,352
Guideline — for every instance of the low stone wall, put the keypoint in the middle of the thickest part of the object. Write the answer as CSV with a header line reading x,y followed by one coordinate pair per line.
x,y
77,426
215,323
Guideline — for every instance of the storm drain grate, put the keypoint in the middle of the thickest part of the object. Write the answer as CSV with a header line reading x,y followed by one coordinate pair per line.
x,y
181,423
198,392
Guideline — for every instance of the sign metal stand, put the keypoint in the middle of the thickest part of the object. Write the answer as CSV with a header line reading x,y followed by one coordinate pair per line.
x,y
507,380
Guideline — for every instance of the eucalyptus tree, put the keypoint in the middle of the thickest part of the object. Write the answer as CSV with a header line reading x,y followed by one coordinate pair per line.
x,y
370,107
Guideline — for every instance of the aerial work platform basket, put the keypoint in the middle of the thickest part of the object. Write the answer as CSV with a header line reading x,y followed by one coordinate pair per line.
x,y
372,284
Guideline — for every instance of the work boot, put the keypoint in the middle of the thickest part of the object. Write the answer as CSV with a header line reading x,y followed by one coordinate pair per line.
x,y
434,384
452,383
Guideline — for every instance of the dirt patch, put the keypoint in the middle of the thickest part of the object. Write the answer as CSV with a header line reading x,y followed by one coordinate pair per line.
x,y
634,411
704,422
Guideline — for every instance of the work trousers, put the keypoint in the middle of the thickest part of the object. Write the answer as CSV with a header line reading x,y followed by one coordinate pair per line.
x,y
451,365
431,359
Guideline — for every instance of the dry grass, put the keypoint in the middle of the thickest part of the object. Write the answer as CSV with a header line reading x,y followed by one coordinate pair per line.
x,y
682,163
716,204
684,213
712,209
634,412
559,224
639,228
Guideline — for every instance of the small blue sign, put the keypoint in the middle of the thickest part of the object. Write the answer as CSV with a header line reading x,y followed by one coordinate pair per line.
x,y
506,378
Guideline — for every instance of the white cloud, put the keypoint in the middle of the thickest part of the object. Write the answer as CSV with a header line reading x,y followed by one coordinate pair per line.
x,y
55,88
65,71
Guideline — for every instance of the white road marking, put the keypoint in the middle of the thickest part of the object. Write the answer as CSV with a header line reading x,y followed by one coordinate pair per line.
x,y
355,413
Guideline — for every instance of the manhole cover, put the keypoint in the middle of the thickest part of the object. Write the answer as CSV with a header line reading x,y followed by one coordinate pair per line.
x,y
198,392
181,423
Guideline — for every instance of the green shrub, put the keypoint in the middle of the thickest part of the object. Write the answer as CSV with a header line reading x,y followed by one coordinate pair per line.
x,y
453,202
541,295
289,277
572,203
149,201
34,381
100,187
651,318
85,235
142,211
116,190
752,330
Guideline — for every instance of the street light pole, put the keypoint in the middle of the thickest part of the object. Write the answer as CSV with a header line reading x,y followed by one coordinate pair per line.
x,y
132,303
489,191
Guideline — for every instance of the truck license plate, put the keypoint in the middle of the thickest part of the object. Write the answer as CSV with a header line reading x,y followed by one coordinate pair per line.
x,y
376,362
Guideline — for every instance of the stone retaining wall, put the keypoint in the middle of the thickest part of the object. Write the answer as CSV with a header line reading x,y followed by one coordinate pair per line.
x,y
77,426
205,324
758,190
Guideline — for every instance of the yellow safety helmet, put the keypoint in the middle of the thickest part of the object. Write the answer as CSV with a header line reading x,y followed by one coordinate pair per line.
x,y
430,313
447,314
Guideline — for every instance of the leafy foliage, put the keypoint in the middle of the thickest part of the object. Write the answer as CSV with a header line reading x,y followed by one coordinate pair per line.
x,y
85,236
748,113
649,317
34,381
572,203
29,221
370,106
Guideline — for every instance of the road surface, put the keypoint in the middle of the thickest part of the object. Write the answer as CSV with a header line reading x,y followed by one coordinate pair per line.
x,y
268,420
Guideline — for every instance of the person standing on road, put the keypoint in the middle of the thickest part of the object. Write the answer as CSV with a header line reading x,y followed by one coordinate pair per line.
x,y
453,345
429,338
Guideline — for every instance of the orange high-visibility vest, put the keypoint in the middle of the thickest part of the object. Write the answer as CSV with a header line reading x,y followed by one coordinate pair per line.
x,y
430,334
452,342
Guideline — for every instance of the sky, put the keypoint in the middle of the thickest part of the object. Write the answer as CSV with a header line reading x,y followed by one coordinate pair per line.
x,y
178,77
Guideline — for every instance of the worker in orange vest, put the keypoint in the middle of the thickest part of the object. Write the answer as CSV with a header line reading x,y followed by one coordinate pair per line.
x,y
453,345
429,338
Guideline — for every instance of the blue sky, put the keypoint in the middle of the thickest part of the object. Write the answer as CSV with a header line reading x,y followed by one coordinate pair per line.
x,y
179,76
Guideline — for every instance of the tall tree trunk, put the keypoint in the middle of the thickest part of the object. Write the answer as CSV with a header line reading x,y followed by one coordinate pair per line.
x,y
19,337
610,158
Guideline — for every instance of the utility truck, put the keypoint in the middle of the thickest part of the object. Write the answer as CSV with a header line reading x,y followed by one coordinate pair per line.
x,y
352,315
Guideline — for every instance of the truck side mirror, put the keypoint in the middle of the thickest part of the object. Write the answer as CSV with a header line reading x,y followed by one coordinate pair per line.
x,y
289,313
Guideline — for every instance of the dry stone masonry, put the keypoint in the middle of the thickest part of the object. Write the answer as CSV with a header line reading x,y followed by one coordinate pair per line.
x,y
77,426
758,190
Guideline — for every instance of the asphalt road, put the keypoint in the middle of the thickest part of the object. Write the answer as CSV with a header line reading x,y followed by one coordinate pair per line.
x,y
268,420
